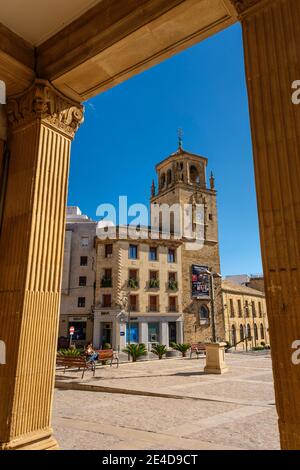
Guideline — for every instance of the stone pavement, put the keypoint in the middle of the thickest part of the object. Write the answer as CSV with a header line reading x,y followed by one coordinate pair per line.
x,y
168,404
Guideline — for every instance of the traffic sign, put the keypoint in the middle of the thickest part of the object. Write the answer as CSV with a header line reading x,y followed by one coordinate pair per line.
x,y
72,330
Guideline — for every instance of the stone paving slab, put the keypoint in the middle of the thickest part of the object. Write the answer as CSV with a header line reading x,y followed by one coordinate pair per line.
x,y
240,418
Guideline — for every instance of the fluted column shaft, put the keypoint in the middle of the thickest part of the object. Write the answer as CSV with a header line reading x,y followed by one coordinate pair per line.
x,y
41,127
272,56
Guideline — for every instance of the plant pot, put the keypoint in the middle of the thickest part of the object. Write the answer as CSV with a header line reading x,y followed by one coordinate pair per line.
x,y
172,353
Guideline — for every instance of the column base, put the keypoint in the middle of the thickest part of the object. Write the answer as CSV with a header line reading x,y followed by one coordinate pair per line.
x,y
42,440
215,359
289,435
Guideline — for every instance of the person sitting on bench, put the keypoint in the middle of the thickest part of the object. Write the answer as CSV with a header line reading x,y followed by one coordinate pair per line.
x,y
90,353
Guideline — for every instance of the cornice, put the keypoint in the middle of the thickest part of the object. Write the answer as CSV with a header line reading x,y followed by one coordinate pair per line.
x,y
43,102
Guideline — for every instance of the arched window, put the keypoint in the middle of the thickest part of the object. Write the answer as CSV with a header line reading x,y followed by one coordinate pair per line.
x,y
194,175
204,314
241,332
262,331
233,334
169,177
162,180
255,331
248,331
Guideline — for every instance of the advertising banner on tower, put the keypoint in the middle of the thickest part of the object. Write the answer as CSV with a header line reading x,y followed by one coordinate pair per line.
x,y
200,282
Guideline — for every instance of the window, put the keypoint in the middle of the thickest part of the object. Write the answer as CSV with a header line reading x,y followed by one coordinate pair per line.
x,y
169,177
231,308
106,301
172,304
262,331
194,175
247,308
171,255
253,309
240,308
210,216
107,278
204,315
248,331
233,335
108,251
133,274
133,299
133,252
241,332
134,332
153,303
255,331
152,253
153,280
82,281
153,332
83,260
81,302
84,242
259,309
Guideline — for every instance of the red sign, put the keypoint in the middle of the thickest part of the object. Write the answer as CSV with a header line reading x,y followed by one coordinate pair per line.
x,y
71,330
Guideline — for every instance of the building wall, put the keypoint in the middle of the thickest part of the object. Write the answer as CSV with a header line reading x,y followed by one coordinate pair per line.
x,y
120,264
237,318
70,312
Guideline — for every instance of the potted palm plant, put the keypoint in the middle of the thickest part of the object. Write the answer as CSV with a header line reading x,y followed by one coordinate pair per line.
x,y
135,351
159,350
183,348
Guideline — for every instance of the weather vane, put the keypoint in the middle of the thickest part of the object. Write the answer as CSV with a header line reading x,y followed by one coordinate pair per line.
x,y
180,138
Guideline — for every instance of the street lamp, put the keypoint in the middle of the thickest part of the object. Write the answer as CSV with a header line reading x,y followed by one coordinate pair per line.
x,y
213,275
125,305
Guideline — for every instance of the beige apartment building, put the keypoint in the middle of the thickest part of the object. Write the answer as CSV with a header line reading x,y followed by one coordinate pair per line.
x,y
78,280
148,274
245,315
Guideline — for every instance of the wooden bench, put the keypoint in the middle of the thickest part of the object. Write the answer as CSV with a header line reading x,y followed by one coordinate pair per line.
x,y
107,355
198,348
78,362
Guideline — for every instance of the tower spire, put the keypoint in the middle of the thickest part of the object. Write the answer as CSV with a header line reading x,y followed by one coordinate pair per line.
x,y
180,138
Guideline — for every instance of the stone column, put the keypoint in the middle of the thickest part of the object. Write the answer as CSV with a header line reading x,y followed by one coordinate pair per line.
x,y
179,331
143,333
272,56
96,330
42,124
164,333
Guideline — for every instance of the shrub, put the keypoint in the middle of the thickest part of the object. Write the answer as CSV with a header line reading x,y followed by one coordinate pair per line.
x,y
133,283
183,348
160,350
107,346
173,285
69,352
135,351
153,283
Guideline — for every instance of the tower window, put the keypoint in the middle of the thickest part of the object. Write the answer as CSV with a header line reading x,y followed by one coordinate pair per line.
x,y
162,180
169,177
194,174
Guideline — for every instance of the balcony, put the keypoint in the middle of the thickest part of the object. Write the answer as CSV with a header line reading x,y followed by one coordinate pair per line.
x,y
153,284
106,282
133,283
173,285
153,308
173,309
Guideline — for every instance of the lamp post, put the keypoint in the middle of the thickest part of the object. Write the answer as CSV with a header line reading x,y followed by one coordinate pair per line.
x,y
213,275
125,302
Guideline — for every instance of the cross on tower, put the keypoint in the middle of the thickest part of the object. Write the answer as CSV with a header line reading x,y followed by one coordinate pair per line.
x,y
180,138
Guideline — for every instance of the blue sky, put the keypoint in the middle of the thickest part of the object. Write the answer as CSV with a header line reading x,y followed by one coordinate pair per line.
x,y
133,126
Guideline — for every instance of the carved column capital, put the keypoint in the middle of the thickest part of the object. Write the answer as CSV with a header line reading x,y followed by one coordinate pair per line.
x,y
42,101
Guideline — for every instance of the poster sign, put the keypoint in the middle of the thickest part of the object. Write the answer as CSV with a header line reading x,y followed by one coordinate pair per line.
x,y
200,282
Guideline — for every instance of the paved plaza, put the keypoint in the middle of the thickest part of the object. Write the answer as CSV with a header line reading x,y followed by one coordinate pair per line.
x,y
168,404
